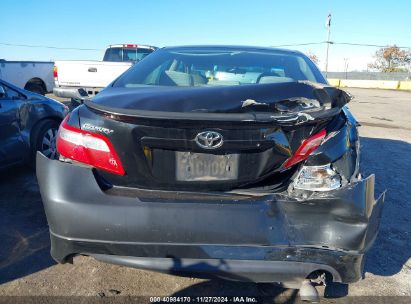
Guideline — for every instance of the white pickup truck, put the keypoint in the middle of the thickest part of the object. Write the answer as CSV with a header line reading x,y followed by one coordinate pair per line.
x,y
35,76
77,79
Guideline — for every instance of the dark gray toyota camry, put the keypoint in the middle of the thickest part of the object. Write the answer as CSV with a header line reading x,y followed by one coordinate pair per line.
x,y
240,162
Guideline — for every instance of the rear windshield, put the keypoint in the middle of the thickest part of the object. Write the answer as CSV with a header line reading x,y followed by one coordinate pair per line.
x,y
126,54
209,67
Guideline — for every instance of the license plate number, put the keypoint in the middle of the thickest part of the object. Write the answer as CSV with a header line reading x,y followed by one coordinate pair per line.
x,y
206,167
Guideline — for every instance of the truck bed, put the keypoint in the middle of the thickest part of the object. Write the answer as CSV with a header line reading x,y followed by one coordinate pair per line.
x,y
89,74
22,73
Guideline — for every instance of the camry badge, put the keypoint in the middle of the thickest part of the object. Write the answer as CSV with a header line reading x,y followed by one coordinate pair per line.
x,y
209,140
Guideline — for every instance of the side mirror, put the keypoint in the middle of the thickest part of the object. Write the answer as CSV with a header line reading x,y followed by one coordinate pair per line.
x,y
2,92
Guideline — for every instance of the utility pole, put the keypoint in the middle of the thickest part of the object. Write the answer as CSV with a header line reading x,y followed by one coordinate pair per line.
x,y
346,67
328,26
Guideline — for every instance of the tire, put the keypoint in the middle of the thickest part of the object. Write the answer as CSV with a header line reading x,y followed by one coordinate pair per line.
x,y
44,139
35,88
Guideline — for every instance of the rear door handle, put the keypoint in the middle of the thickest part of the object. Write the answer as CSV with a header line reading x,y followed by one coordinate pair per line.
x,y
93,70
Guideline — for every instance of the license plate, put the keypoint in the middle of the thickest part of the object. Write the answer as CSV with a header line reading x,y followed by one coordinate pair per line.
x,y
206,167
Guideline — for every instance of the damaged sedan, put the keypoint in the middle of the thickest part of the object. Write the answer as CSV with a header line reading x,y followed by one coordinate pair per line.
x,y
239,162
28,123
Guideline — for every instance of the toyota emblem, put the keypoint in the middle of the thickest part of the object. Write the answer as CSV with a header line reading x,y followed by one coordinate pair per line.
x,y
209,140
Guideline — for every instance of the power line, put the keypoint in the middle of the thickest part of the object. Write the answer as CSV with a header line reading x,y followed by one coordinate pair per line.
x,y
298,44
282,45
372,45
49,47
342,43
89,49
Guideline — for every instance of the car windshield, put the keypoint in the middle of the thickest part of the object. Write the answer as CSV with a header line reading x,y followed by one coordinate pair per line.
x,y
219,66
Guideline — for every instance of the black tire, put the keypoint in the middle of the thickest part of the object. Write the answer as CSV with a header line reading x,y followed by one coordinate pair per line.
x,y
44,139
35,88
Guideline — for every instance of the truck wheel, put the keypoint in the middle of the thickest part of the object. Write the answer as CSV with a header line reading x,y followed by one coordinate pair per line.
x,y
35,88
44,139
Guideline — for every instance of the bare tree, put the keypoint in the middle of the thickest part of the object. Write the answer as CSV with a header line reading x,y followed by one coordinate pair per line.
x,y
391,59
313,57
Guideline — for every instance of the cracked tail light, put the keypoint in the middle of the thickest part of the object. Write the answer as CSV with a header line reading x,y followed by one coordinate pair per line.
x,y
88,148
317,178
306,148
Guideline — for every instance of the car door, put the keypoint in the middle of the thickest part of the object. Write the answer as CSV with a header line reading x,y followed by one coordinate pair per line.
x,y
12,147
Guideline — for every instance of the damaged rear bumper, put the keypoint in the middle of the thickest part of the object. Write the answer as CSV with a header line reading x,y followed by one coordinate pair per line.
x,y
262,238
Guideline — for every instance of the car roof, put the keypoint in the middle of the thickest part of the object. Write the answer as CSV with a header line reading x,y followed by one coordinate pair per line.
x,y
233,48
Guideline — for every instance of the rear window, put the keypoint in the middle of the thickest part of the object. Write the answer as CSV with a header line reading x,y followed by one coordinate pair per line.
x,y
210,67
126,54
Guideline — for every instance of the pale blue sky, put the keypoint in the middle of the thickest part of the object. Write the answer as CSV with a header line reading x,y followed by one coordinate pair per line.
x,y
95,24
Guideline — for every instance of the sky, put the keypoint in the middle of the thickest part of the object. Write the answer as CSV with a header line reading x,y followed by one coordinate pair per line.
x,y
96,24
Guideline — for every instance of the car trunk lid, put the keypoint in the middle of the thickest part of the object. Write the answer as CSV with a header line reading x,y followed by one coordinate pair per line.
x,y
157,134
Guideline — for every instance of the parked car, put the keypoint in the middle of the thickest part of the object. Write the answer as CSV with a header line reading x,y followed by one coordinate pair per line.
x,y
34,76
239,162
28,123
93,76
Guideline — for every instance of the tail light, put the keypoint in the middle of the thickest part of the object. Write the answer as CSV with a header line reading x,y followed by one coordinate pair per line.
x,y
55,74
317,178
306,148
89,148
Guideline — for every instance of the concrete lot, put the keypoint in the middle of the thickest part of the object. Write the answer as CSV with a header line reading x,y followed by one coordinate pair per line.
x,y
26,267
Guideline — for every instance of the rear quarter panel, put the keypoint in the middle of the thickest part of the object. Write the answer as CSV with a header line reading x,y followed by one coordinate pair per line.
x,y
31,112
19,73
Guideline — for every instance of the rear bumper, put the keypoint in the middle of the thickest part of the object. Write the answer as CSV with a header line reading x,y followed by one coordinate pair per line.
x,y
67,92
75,92
230,235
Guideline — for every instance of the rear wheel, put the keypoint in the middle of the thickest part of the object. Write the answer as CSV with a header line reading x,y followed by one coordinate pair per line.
x,y
35,88
45,139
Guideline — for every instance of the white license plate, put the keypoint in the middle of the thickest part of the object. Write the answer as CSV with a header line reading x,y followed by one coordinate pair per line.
x,y
206,167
